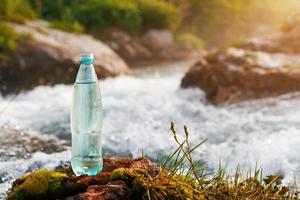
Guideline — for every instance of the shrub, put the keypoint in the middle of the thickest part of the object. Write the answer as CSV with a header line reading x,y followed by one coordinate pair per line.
x,y
16,10
190,39
108,13
67,26
54,10
158,14
8,38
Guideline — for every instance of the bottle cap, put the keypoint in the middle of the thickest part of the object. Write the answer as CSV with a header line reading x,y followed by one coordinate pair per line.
x,y
86,58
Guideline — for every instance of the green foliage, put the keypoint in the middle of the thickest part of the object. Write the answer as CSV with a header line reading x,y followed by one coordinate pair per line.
x,y
109,13
15,10
54,9
68,26
36,185
95,15
158,14
190,39
60,13
8,38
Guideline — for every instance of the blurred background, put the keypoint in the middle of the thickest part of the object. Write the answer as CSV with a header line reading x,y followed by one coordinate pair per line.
x,y
228,69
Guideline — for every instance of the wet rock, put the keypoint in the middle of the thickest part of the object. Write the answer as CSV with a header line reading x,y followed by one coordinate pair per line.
x,y
158,39
4,176
113,190
258,68
17,144
51,56
63,184
127,47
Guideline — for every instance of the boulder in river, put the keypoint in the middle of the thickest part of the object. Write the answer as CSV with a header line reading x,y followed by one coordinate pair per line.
x,y
258,68
51,56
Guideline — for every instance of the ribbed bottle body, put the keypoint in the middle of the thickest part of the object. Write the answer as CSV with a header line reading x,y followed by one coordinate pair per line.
x,y
86,123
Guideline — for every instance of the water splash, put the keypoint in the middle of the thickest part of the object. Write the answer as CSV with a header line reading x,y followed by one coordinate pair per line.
x,y
138,111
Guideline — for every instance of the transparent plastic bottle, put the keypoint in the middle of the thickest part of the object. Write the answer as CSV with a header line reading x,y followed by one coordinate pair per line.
x,y
86,120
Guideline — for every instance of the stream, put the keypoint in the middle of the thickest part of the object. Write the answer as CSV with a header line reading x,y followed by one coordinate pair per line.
x,y
138,110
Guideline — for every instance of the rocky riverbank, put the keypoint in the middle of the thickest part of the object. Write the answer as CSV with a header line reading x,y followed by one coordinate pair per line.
x,y
126,178
120,179
153,47
17,144
258,68
49,56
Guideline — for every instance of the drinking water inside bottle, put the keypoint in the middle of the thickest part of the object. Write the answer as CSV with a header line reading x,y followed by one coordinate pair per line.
x,y
87,157
86,123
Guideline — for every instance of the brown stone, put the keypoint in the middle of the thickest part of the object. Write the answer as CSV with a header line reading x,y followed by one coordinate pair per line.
x,y
51,57
237,74
258,68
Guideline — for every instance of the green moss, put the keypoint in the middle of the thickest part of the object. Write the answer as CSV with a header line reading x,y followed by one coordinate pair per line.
x,y
127,173
36,185
161,186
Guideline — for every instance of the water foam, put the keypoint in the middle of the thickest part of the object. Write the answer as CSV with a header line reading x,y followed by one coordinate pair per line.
x,y
138,111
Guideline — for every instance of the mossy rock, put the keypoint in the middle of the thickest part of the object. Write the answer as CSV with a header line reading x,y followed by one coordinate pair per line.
x,y
41,184
119,175
161,186
141,179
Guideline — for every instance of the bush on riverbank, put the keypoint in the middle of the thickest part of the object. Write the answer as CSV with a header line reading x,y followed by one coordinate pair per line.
x,y
8,38
158,15
97,15
16,10
133,16
235,20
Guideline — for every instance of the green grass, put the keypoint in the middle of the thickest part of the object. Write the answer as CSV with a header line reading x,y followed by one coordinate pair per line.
x,y
183,178
221,185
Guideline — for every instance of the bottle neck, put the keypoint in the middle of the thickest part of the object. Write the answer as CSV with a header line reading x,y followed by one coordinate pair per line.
x,y
86,74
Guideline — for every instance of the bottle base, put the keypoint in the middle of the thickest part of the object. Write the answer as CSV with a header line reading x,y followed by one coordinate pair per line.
x,y
86,166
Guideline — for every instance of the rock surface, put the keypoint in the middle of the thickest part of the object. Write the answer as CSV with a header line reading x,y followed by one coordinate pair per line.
x,y
158,39
255,69
17,144
52,56
125,178
155,47
63,184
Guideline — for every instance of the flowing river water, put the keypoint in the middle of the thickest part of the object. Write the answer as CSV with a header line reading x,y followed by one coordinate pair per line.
x,y
138,110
